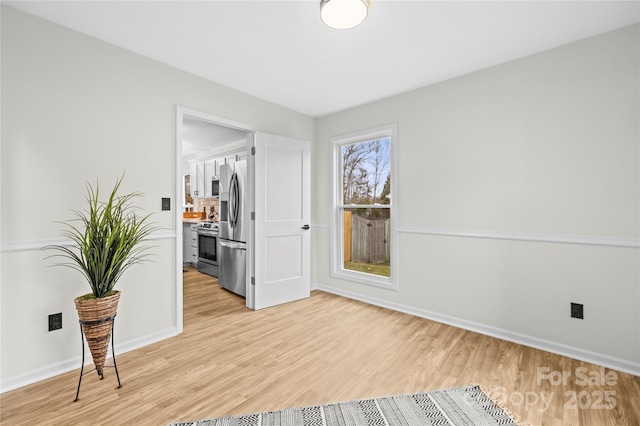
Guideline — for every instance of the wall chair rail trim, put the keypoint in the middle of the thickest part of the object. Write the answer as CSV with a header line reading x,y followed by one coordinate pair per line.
x,y
29,245
531,237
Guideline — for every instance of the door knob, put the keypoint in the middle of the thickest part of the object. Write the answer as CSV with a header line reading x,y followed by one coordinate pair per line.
x,y
305,227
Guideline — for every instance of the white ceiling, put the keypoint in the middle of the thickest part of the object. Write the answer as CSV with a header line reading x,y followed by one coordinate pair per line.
x,y
199,136
281,52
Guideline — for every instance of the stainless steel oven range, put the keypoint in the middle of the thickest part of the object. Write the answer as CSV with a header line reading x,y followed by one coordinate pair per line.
x,y
208,248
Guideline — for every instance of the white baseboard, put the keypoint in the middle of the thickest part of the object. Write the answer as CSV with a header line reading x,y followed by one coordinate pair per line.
x,y
61,367
604,360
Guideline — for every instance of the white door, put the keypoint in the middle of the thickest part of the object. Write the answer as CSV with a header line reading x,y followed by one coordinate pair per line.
x,y
282,202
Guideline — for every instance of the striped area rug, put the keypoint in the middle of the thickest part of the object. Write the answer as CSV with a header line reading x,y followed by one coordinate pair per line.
x,y
456,407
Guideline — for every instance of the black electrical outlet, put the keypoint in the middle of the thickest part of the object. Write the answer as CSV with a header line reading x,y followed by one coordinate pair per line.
x,y
166,204
55,321
577,311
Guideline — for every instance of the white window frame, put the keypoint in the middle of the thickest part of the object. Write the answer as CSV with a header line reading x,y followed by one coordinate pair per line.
x,y
337,238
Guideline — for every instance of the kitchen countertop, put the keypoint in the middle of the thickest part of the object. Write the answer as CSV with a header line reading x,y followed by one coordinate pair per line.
x,y
189,220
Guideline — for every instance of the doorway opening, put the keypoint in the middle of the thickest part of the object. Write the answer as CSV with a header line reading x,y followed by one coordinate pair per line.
x,y
206,148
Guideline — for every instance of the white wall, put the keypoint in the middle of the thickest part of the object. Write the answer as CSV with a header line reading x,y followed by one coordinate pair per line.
x,y
493,167
75,109
544,147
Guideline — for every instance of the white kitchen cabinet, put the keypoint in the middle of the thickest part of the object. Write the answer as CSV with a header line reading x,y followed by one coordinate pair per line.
x,y
241,155
219,163
190,243
205,169
209,173
237,155
193,248
230,159
198,179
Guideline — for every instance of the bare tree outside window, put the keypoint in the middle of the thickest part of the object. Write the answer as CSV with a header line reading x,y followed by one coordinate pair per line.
x,y
365,172
366,198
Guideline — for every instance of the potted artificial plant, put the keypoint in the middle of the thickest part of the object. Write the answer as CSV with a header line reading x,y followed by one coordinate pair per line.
x,y
105,243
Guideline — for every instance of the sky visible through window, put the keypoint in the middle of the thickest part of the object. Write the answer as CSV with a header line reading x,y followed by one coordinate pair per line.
x,y
366,173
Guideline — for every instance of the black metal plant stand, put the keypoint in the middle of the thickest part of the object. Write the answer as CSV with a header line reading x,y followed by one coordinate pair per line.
x,y
113,353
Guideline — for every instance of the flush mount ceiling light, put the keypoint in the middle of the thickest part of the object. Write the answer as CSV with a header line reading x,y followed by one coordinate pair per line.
x,y
343,14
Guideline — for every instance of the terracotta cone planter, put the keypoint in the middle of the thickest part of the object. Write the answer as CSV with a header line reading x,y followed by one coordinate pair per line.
x,y
94,316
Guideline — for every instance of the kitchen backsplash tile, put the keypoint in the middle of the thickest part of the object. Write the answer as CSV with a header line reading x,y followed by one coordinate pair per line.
x,y
205,204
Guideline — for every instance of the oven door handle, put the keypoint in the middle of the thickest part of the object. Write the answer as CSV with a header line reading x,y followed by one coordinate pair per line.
x,y
208,233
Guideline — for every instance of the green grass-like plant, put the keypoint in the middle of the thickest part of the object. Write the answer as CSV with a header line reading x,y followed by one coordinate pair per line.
x,y
108,242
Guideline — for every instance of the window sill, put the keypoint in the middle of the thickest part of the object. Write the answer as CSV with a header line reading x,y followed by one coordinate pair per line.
x,y
364,278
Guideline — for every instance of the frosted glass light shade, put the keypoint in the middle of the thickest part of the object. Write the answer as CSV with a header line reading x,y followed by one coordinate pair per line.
x,y
343,14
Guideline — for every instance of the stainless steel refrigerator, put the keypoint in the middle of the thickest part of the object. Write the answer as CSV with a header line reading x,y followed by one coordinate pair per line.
x,y
232,237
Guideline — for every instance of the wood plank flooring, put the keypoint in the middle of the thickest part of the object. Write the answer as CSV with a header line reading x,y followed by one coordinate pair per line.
x,y
230,360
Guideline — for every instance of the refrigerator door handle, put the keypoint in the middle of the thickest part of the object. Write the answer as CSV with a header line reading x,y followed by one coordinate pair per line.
x,y
234,200
232,245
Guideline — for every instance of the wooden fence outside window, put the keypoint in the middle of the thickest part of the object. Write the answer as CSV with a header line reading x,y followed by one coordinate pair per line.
x,y
366,239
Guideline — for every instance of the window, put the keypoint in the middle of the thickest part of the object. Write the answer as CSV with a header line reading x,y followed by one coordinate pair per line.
x,y
362,224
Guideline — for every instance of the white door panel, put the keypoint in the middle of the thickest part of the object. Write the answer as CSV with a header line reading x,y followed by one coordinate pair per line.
x,y
282,209
288,247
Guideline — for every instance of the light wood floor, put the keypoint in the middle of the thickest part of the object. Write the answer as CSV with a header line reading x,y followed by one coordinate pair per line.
x,y
230,360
